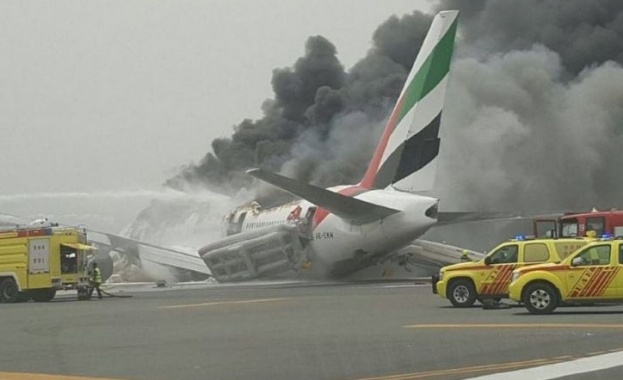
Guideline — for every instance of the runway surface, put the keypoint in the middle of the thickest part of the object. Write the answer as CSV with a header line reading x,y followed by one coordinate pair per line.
x,y
286,331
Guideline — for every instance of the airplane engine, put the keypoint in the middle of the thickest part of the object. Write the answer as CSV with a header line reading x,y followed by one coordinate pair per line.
x,y
251,255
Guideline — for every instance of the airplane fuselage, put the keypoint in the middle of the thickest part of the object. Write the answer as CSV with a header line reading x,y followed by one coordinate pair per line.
x,y
339,245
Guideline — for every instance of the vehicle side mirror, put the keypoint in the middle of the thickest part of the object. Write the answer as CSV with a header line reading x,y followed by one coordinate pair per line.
x,y
577,261
488,260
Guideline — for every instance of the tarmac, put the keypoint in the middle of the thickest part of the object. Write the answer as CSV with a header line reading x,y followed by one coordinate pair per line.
x,y
296,330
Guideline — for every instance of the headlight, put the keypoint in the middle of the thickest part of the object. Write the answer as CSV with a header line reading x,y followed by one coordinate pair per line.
x,y
440,275
516,276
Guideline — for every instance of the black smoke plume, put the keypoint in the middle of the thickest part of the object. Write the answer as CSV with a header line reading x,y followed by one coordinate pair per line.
x,y
533,118
317,127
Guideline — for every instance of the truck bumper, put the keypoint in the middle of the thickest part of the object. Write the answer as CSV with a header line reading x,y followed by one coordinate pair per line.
x,y
439,286
57,283
514,292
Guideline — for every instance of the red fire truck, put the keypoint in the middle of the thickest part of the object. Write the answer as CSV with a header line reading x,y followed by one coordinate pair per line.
x,y
578,224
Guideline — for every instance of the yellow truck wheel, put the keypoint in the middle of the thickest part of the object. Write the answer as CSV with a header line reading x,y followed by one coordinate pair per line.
x,y
462,293
42,295
9,292
540,298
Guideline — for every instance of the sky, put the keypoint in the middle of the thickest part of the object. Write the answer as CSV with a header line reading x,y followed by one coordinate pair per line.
x,y
117,95
101,102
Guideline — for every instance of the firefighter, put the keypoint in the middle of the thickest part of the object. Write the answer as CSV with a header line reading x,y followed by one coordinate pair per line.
x,y
96,281
465,255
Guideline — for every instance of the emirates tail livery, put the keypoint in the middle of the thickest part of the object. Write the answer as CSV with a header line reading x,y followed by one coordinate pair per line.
x,y
340,230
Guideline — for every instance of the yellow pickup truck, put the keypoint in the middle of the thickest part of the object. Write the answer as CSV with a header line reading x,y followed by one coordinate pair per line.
x,y
591,275
464,283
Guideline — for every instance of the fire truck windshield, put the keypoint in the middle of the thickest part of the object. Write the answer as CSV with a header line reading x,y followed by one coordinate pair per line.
x,y
569,228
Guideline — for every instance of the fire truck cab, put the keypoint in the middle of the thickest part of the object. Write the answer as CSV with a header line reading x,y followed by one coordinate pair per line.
x,y
36,261
579,224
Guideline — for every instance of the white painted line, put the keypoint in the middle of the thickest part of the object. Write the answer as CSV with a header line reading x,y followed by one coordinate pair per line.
x,y
400,286
223,303
553,371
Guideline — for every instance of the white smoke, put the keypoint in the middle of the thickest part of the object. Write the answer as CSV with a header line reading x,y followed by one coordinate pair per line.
x,y
109,211
184,223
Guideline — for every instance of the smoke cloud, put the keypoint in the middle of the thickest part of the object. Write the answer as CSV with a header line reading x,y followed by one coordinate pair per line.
x,y
533,119
582,32
323,122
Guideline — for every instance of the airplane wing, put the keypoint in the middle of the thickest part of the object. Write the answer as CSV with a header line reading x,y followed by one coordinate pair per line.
x,y
348,208
10,220
420,259
432,254
139,250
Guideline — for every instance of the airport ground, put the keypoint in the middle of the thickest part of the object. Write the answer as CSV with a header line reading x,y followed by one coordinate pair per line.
x,y
292,331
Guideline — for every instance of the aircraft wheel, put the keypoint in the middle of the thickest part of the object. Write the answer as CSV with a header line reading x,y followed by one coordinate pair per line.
x,y
540,298
462,293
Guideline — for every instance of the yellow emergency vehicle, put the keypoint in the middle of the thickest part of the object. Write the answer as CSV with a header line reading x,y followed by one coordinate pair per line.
x,y
592,274
36,261
489,277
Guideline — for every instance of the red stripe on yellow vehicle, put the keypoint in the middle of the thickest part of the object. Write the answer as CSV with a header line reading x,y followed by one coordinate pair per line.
x,y
606,279
550,269
503,289
582,282
600,282
498,280
593,282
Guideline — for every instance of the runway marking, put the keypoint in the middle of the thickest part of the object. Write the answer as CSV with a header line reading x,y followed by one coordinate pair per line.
x,y
41,376
596,353
514,325
401,286
223,303
460,370
564,357
554,371
560,365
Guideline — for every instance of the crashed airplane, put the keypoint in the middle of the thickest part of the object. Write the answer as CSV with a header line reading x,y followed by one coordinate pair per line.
x,y
343,229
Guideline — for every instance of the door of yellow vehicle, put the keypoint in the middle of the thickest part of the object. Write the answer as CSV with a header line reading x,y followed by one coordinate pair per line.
x,y
39,263
592,274
501,264
619,276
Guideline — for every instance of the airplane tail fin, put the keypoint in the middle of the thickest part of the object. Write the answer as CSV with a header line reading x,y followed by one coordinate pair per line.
x,y
405,157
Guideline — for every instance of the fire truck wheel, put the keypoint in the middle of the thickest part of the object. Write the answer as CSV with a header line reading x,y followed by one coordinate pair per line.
x,y
9,292
43,295
462,293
